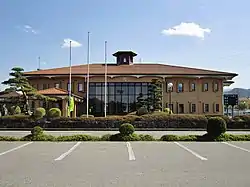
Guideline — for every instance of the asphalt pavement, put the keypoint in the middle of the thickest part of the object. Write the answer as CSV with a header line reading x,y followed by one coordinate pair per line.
x,y
156,134
122,164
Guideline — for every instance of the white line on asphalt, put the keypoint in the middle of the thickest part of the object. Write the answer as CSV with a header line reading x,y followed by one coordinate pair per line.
x,y
235,146
3,153
68,152
190,151
131,154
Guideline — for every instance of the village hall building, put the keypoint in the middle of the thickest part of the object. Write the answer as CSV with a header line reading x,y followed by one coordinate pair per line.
x,y
185,90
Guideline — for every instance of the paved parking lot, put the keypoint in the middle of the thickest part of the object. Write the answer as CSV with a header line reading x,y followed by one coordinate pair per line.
x,y
105,164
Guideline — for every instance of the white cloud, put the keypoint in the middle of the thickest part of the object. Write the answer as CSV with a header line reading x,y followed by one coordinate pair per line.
x,y
187,29
29,29
74,43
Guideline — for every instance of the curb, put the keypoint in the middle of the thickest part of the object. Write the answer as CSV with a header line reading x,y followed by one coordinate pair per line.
x,y
113,129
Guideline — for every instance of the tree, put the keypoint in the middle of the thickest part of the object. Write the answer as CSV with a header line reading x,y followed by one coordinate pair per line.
x,y
154,100
19,83
242,105
140,101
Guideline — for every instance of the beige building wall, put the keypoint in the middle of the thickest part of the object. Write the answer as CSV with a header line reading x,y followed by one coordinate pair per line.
x,y
199,97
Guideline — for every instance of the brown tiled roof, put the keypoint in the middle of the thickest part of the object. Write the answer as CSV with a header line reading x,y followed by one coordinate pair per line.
x,y
53,91
135,69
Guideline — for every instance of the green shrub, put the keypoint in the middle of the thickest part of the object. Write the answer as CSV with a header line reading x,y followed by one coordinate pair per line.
x,y
169,138
9,138
85,116
146,137
37,131
122,137
126,129
168,110
106,137
39,137
142,111
39,113
54,113
16,121
15,110
216,126
78,137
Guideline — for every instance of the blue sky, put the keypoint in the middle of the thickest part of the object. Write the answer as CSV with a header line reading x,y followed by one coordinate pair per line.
x,y
198,33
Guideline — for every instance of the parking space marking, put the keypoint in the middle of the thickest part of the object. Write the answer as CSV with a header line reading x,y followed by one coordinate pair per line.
x,y
68,152
235,146
190,151
3,153
131,154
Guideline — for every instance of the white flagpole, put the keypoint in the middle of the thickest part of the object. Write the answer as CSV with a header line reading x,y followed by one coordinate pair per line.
x,y
70,75
88,57
105,93
39,63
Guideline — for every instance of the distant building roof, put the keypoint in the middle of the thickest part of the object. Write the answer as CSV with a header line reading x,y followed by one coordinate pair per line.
x,y
53,91
56,92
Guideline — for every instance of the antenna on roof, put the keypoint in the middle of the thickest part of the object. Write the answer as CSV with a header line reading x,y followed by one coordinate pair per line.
x,y
39,63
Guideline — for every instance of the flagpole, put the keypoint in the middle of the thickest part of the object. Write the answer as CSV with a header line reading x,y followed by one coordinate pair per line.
x,y
70,76
88,57
39,63
105,93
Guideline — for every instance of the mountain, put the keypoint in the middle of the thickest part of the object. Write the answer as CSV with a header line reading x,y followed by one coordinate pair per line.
x,y
242,92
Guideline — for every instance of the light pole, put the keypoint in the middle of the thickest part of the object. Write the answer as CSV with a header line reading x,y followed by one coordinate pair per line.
x,y
170,87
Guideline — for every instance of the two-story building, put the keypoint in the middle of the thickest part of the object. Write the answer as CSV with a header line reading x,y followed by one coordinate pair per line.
x,y
196,91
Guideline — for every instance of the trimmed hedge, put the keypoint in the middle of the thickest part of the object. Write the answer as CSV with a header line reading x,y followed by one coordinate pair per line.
x,y
156,120
131,137
216,126
37,134
54,113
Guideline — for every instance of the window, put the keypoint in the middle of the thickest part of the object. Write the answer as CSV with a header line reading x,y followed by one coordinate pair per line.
x,y
217,108
206,108
216,87
205,87
180,87
57,85
192,87
168,88
45,86
68,87
181,108
193,108
80,87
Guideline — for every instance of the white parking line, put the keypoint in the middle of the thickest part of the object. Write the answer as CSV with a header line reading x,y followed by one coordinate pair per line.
x,y
68,152
190,151
3,153
235,146
131,154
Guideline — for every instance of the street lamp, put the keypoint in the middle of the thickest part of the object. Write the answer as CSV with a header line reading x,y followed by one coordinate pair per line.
x,y
170,87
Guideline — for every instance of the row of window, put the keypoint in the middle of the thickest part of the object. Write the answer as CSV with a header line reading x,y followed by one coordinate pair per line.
x,y
180,86
58,85
192,108
192,86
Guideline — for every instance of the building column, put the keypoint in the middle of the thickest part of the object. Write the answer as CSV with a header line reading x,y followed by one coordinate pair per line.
x,y
74,112
163,88
64,108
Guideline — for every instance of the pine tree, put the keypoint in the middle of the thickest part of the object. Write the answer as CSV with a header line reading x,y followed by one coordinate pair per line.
x,y
154,100
19,83
140,101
